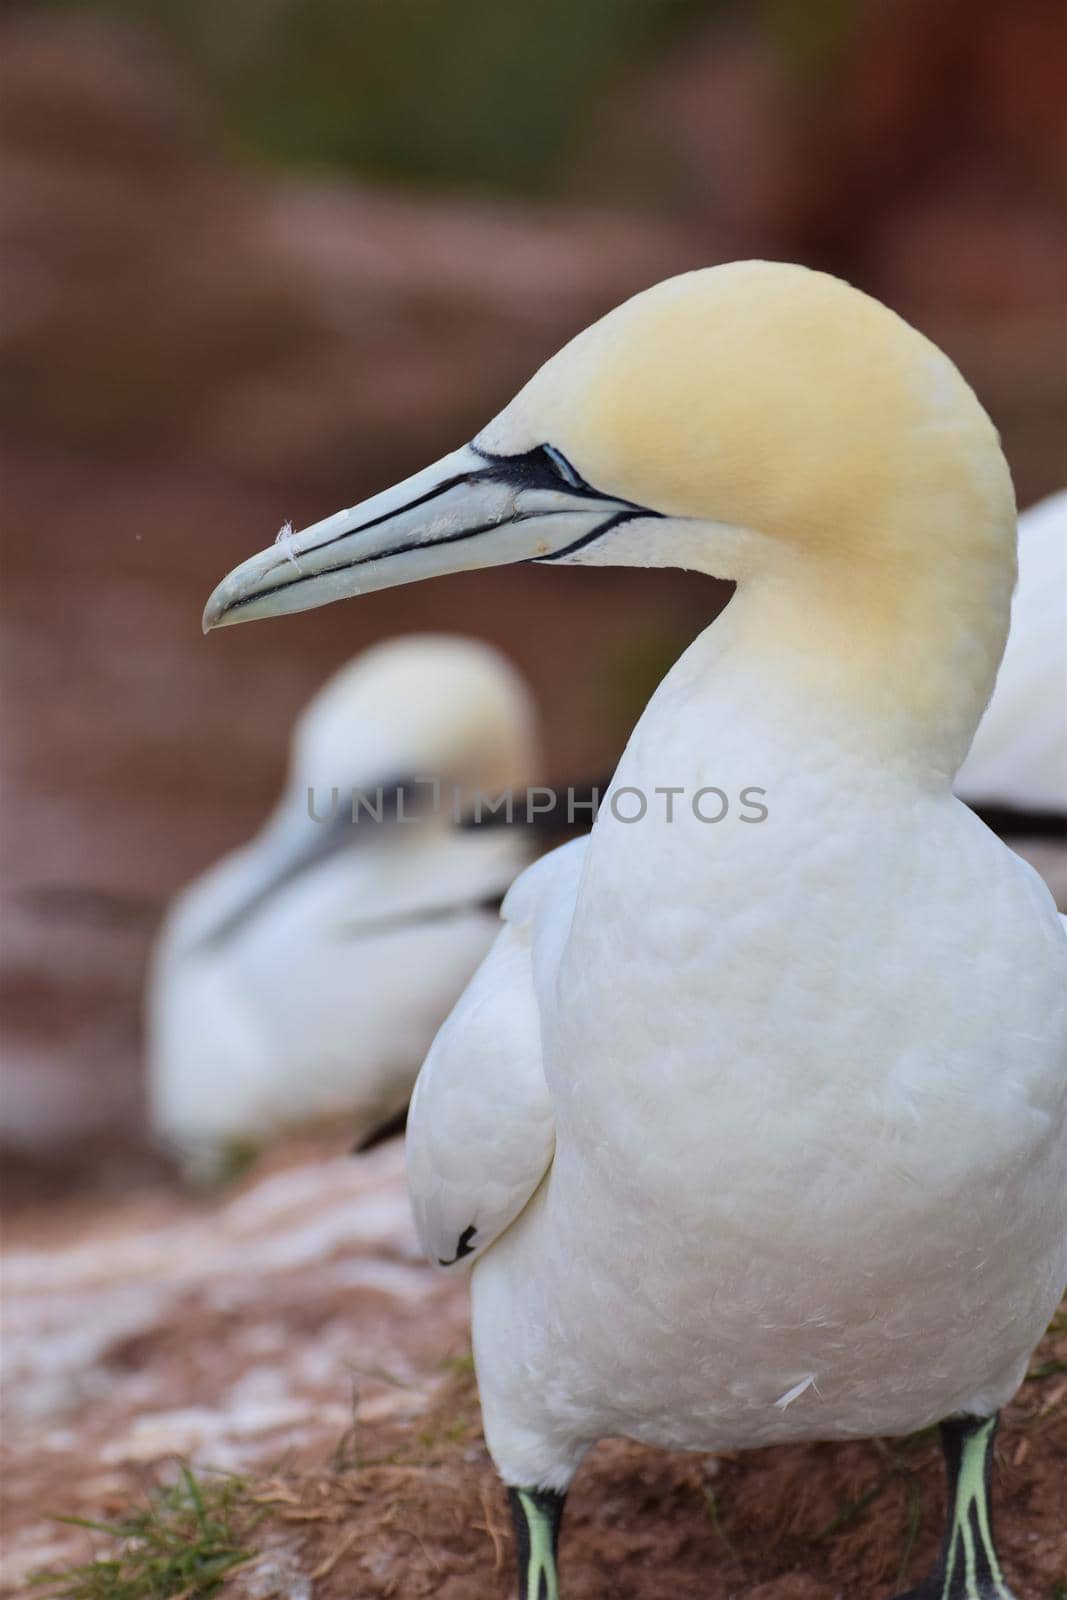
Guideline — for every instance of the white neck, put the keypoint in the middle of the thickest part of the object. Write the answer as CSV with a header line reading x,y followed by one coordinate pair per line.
x,y
898,669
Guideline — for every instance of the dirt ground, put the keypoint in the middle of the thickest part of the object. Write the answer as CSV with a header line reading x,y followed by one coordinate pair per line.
x,y
290,1333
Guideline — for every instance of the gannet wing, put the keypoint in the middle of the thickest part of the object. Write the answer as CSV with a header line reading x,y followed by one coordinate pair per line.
x,y
481,1132
481,1128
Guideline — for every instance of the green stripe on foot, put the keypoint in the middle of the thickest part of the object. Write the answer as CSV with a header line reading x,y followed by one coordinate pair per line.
x,y
968,1567
536,1514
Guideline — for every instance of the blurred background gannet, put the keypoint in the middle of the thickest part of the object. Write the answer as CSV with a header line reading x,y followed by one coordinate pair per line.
x,y
304,976
1018,760
759,1135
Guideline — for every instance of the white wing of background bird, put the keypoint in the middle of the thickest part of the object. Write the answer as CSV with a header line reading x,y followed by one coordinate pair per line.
x,y
1019,755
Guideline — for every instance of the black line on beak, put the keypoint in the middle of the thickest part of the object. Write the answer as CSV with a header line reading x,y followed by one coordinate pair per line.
x,y
544,467
381,555
612,522
401,797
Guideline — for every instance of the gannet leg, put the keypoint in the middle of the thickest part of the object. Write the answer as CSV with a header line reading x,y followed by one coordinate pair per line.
x,y
537,1514
967,1568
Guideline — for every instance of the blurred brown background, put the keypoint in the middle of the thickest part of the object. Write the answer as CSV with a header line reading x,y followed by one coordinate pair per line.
x,y
261,259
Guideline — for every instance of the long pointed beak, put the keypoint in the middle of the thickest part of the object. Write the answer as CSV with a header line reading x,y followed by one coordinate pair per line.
x,y
294,843
468,510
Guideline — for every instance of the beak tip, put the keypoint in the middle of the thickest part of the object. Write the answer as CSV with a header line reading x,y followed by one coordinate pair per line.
x,y
220,611
240,597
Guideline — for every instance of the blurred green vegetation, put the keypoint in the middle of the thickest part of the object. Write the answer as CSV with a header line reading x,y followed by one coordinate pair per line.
x,y
482,94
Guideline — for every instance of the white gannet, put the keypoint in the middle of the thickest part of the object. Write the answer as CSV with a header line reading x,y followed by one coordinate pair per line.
x,y
304,976
753,1133
1018,760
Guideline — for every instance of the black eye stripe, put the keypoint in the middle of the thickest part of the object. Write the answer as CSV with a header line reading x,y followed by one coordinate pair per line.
x,y
543,467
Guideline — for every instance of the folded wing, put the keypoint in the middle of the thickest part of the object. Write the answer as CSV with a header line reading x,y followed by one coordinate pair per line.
x,y
481,1129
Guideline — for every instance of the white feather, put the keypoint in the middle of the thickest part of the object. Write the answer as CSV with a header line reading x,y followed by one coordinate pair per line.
x,y
1019,754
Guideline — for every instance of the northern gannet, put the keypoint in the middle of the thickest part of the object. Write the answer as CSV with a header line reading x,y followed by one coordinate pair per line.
x,y
752,1133
1018,760
304,976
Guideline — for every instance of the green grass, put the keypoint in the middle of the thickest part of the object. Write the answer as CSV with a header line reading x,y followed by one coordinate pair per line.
x,y
714,1510
1047,1369
184,1541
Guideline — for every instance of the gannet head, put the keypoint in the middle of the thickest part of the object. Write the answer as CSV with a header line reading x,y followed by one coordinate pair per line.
x,y
754,420
425,722
434,705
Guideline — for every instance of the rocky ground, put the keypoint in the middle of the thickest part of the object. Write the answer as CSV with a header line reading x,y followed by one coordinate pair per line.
x,y
289,1334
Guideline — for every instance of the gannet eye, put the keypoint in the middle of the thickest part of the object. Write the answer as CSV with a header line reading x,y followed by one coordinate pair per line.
x,y
562,467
